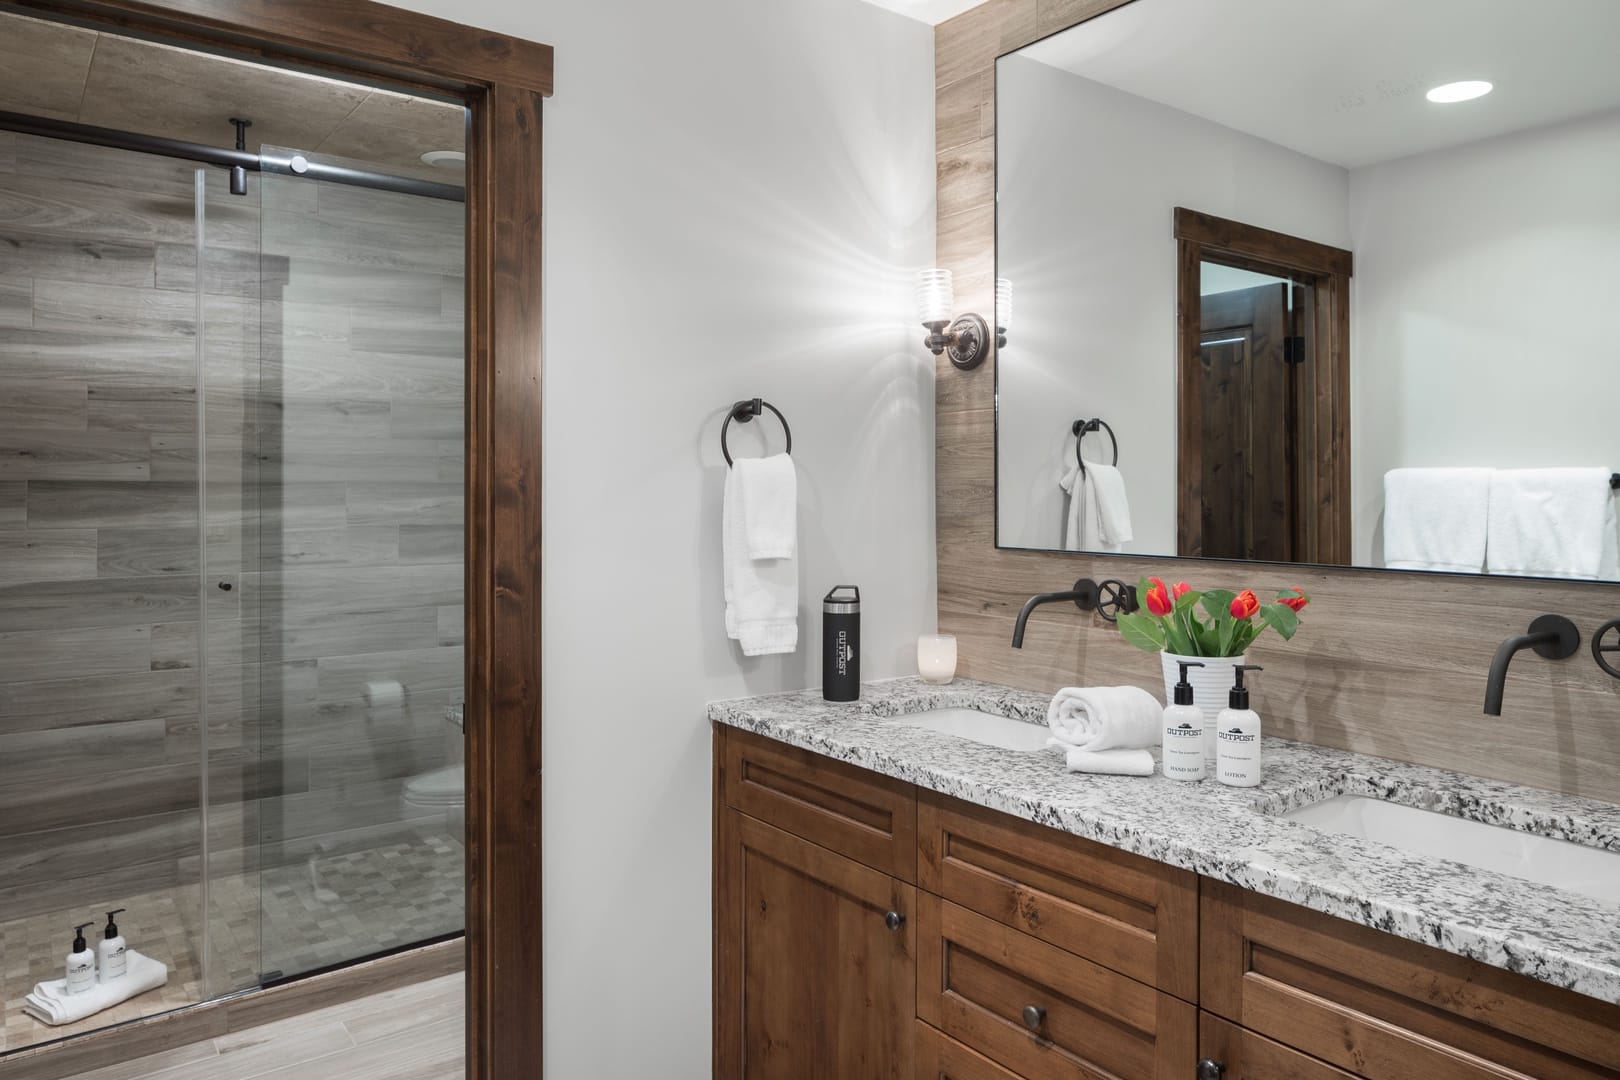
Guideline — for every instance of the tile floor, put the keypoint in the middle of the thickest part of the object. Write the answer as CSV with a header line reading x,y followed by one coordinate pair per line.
x,y
285,919
413,1033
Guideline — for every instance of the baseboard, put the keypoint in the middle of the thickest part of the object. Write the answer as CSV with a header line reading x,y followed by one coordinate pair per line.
x,y
210,1019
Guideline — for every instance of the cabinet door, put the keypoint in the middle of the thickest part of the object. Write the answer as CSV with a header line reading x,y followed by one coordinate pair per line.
x,y
1243,1055
817,962
1386,1008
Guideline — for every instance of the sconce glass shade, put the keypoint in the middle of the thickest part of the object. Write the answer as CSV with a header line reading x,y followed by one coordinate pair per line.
x,y
1003,305
935,297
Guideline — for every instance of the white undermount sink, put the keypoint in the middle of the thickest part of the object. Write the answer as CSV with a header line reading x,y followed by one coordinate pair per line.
x,y
979,727
1589,871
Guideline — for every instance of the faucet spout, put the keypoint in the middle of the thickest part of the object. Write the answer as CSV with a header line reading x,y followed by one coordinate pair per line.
x,y
1084,595
1552,636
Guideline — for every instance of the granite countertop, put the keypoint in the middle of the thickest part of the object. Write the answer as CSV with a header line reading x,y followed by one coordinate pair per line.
x,y
1232,834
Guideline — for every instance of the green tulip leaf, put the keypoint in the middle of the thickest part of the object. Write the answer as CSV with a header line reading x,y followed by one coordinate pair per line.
x,y
1143,631
1281,618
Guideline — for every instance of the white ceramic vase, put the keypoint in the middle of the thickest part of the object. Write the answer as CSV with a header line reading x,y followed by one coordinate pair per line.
x,y
1211,683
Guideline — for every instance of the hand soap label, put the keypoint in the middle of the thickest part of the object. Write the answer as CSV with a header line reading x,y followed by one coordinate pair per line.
x,y
1184,750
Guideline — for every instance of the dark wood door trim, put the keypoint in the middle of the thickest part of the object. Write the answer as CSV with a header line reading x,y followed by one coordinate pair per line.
x,y
503,80
1324,478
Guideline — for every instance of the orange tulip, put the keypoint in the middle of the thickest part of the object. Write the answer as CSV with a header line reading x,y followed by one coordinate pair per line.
x,y
1297,601
1158,600
1180,589
1245,604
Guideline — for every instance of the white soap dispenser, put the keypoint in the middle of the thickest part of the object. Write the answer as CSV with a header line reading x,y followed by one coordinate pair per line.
x,y
111,952
1237,736
81,963
1184,732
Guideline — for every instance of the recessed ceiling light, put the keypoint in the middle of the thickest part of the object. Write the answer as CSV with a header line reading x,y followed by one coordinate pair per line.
x,y
445,159
1467,90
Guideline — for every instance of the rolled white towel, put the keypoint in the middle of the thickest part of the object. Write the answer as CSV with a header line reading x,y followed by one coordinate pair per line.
x,y
1110,762
1099,718
50,1003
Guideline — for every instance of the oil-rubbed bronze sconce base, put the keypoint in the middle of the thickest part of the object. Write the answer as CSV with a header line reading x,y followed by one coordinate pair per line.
x,y
967,339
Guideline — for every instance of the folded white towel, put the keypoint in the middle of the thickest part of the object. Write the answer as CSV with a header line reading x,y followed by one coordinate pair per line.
x,y
1109,762
1097,718
1105,489
1435,519
1074,514
770,499
1552,523
50,1003
762,595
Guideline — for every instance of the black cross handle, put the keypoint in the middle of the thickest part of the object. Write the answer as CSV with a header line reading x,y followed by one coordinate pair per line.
x,y
1610,631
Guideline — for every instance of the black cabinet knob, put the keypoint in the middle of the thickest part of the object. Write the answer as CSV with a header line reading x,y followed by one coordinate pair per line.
x,y
1034,1016
894,920
1210,1069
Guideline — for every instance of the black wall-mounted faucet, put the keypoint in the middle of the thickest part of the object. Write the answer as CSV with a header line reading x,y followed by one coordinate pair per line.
x,y
1552,636
1109,599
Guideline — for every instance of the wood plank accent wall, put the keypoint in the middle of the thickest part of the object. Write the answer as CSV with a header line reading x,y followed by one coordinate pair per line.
x,y
1388,663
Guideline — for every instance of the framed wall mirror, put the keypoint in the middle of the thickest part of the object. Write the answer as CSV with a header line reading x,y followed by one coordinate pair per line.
x,y
1298,282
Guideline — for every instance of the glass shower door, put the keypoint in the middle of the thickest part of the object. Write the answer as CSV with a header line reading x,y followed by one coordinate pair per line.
x,y
359,581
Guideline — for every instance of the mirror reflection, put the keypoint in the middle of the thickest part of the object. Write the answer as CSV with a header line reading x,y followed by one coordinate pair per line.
x,y
1314,283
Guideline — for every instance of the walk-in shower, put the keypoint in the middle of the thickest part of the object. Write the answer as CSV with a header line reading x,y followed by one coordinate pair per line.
x,y
231,516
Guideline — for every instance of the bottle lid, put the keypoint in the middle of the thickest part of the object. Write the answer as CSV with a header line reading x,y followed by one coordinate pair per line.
x,y
842,605
112,927
1184,690
1239,697
78,936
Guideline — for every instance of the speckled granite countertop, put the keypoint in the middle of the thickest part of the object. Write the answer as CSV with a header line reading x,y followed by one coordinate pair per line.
x,y
1232,834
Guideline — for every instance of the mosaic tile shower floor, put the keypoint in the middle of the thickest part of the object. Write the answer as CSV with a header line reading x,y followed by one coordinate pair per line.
x,y
289,919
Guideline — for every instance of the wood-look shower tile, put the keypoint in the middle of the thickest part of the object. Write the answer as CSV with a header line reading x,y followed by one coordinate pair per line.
x,y
230,272
317,281
35,656
107,846
165,406
13,505
274,506
8,151
393,332
344,678
313,731
43,403
122,311
136,693
411,248
453,300
376,759
52,454
28,757
453,624
43,555
106,602
110,504
121,793
16,302
50,355
442,419
445,217
304,637
295,417
432,543
62,256
321,811
138,552
362,546
121,170
315,458
453,463
382,504
46,64
58,205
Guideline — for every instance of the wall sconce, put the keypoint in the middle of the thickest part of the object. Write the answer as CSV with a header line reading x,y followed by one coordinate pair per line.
x,y
968,338
1003,310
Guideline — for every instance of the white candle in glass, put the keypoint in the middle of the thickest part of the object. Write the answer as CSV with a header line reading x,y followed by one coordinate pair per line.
x,y
936,657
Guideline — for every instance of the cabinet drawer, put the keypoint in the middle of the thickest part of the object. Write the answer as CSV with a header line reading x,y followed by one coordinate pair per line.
x,y
976,977
1386,1008
940,1057
1243,1055
1131,914
870,818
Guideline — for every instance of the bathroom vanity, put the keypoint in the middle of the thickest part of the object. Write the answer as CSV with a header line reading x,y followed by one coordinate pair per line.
x,y
895,901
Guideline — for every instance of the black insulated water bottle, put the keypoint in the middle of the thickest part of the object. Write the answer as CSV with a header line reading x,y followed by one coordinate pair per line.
x,y
841,645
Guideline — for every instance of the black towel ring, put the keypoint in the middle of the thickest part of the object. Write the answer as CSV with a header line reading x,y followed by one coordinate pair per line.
x,y
1081,427
744,412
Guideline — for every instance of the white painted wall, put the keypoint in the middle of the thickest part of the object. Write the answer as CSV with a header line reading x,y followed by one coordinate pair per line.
x,y
1479,335
1095,173
738,195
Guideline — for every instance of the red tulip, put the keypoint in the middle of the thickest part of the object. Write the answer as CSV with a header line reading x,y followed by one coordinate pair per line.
x,y
1297,601
1180,589
1158,600
1245,604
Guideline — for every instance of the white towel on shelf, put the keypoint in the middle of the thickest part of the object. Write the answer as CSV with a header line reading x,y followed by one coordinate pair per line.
x,y
1105,488
770,499
762,595
1552,523
1097,718
50,1003
1109,762
1435,519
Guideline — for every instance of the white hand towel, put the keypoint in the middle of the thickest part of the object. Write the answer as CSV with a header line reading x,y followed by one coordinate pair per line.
x,y
1106,490
1109,762
1551,523
1075,510
1097,718
770,499
1435,519
762,595
50,1003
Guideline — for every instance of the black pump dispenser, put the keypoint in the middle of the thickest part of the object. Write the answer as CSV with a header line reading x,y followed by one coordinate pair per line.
x,y
78,937
1184,690
1239,697
112,927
